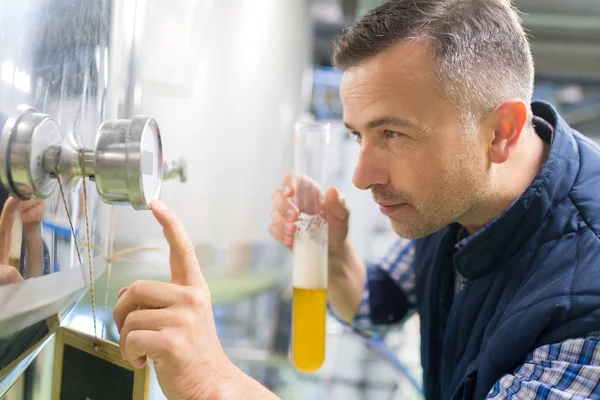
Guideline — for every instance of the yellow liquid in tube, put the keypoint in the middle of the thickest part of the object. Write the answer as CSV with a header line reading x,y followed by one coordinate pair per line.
x,y
308,333
309,303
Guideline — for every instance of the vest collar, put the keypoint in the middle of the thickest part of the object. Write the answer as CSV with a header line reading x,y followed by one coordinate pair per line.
x,y
508,233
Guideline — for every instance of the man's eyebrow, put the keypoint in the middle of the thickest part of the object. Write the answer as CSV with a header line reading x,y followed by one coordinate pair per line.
x,y
388,120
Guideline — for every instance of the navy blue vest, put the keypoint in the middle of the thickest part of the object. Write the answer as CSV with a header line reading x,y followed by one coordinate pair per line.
x,y
532,277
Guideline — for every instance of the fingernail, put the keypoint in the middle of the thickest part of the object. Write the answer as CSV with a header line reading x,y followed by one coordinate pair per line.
x,y
287,190
159,204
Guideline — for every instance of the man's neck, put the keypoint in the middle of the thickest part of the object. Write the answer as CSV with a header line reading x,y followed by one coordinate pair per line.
x,y
514,176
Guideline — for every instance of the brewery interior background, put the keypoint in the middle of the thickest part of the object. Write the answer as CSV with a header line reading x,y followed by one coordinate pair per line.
x,y
226,82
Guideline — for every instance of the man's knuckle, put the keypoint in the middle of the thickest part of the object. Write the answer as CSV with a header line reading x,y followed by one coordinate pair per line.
x,y
131,320
128,340
138,287
171,343
187,320
193,299
190,250
13,275
186,249
134,344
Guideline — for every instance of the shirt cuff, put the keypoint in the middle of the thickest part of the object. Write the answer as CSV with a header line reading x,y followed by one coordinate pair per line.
x,y
362,320
387,302
376,322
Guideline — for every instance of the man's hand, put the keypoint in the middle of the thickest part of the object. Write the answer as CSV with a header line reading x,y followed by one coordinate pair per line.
x,y
347,272
9,274
32,213
298,194
7,221
173,324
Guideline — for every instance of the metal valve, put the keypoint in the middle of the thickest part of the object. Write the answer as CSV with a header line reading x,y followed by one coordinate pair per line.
x,y
126,163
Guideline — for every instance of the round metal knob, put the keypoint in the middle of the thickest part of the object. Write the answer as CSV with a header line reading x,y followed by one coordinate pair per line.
x,y
23,142
128,162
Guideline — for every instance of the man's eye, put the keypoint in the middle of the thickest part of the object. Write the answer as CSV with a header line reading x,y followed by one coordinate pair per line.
x,y
392,134
356,135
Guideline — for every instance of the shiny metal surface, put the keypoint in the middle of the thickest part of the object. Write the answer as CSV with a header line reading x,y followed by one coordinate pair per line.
x,y
23,145
85,62
126,163
129,162
226,80
54,58
64,161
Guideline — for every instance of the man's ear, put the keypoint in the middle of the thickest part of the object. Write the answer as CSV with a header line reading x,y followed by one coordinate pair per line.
x,y
507,122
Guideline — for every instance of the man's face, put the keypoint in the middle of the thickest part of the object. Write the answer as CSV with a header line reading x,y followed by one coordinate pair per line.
x,y
421,167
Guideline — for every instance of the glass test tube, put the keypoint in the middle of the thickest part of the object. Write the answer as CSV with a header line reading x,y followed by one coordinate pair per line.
x,y
309,276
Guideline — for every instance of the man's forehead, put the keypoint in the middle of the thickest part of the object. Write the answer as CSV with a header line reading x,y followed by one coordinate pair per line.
x,y
396,83
402,62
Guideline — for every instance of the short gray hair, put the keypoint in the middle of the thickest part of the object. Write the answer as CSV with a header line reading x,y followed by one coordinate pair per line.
x,y
482,52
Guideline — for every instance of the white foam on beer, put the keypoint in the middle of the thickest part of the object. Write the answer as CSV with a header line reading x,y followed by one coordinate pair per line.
x,y
310,253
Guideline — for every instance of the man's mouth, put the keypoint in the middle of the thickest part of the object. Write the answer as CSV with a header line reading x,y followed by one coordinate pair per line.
x,y
387,208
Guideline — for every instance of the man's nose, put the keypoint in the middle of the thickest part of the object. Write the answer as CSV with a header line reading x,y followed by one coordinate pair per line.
x,y
370,169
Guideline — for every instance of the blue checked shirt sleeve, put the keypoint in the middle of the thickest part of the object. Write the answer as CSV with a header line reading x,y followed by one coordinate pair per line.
x,y
565,370
389,293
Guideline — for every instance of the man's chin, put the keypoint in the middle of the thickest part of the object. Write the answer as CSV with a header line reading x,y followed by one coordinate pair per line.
x,y
410,231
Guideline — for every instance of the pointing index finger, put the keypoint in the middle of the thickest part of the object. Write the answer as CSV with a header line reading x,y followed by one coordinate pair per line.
x,y
185,269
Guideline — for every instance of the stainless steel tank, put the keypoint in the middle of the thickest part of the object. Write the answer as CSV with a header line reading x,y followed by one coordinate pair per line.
x,y
226,80
61,91
53,56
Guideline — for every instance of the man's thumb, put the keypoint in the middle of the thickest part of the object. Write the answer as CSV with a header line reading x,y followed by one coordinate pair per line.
x,y
336,205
